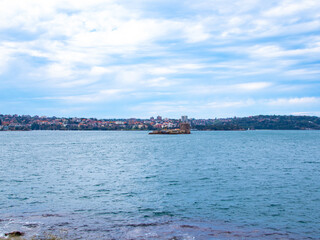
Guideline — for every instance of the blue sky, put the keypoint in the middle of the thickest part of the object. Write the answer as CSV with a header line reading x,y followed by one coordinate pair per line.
x,y
142,58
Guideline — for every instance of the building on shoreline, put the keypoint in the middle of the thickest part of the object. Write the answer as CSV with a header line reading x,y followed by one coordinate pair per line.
x,y
184,119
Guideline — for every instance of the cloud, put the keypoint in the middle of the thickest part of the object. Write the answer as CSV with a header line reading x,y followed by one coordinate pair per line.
x,y
235,89
5,57
230,104
159,82
165,108
274,51
294,101
205,55
304,72
253,86
105,95
306,113
289,8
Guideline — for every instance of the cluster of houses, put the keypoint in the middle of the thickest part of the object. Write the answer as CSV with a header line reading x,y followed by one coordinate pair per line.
x,y
26,122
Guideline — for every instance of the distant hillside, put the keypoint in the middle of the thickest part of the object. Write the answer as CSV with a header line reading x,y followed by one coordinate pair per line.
x,y
264,122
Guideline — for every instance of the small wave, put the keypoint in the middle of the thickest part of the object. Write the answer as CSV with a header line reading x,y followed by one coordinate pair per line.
x,y
31,225
275,205
276,233
62,224
146,209
103,190
189,226
144,224
18,198
17,181
51,215
152,176
204,178
163,213
99,184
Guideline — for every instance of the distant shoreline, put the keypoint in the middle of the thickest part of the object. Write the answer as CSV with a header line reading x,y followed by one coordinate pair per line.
x,y
130,130
259,122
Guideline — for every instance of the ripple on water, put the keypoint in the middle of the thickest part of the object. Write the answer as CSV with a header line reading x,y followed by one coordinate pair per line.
x,y
264,181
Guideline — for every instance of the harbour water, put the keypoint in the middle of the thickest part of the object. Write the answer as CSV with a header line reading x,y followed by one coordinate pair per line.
x,y
131,185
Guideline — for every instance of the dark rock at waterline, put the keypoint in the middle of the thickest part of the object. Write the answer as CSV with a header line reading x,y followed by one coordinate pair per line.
x,y
14,234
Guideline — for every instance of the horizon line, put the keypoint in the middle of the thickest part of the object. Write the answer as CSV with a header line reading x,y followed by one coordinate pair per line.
x,y
155,117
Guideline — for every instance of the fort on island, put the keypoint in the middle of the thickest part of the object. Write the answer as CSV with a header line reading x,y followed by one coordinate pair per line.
x,y
184,129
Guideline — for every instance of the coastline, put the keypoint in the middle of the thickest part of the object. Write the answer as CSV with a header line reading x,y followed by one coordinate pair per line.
x,y
272,122
149,131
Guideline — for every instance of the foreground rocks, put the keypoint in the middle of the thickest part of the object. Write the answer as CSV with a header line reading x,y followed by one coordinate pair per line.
x,y
14,234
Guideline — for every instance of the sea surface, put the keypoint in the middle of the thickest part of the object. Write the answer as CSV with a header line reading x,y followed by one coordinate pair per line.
x,y
131,185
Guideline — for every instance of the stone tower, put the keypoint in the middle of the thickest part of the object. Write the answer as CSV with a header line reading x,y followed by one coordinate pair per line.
x,y
185,127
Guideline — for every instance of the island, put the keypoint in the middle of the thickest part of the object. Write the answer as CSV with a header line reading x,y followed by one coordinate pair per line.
x,y
184,129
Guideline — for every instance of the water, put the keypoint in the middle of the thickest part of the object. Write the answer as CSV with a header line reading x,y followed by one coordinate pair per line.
x,y
131,185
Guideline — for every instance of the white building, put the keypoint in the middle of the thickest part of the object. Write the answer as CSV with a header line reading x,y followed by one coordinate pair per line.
x,y
184,118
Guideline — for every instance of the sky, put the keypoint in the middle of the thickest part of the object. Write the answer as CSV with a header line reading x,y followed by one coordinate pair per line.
x,y
143,58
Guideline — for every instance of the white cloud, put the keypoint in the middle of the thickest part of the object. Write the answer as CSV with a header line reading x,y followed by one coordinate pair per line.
x,y
306,113
160,82
289,8
162,70
172,68
195,33
165,108
304,73
105,95
230,104
5,58
96,70
273,51
253,86
294,101
234,89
